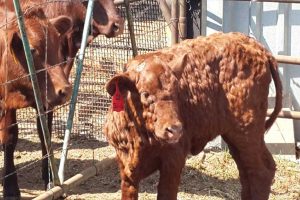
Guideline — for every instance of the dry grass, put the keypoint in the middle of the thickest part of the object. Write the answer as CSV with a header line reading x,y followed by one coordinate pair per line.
x,y
210,176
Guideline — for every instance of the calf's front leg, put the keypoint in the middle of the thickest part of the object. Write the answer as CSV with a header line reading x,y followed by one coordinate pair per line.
x,y
169,180
129,190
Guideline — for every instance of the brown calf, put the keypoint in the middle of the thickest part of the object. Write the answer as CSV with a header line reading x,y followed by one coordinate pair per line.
x,y
15,85
179,98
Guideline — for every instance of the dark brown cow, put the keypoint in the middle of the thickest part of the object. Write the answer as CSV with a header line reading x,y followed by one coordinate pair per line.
x,y
16,89
106,21
178,99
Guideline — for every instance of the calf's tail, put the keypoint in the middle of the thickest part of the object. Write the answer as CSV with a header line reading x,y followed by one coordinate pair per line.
x,y
278,87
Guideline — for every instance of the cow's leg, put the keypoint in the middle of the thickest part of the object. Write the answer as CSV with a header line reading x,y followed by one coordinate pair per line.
x,y
10,181
129,187
255,163
246,194
46,175
169,180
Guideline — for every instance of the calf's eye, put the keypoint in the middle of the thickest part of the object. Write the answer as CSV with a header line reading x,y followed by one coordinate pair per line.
x,y
144,97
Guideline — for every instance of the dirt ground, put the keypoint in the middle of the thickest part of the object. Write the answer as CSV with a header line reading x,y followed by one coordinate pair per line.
x,y
212,176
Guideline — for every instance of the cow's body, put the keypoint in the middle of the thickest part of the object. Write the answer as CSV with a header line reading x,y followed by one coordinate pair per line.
x,y
15,85
178,99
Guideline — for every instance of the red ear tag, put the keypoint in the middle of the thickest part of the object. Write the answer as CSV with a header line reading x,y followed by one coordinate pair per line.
x,y
117,100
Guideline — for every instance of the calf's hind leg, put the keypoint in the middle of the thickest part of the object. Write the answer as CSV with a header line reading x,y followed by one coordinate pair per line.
x,y
246,194
255,163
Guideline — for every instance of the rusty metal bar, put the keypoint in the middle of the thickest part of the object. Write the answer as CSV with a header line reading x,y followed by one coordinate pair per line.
x,y
286,114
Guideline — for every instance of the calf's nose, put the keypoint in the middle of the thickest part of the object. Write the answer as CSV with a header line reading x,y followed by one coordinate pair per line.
x,y
173,132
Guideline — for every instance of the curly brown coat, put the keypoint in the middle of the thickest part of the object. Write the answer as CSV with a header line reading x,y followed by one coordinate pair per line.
x,y
179,98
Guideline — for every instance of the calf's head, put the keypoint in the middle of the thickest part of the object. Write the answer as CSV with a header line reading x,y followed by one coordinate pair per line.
x,y
44,40
150,89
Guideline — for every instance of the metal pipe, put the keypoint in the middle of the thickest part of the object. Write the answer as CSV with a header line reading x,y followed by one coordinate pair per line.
x,y
286,114
131,28
166,12
72,182
182,19
287,59
203,17
79,64
174,20
36,91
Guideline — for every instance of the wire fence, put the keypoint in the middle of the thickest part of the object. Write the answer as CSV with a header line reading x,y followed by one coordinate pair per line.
x,y
104,58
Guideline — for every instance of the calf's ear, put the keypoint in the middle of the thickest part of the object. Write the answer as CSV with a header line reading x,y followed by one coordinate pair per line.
x,y
178,64
62,24
123,81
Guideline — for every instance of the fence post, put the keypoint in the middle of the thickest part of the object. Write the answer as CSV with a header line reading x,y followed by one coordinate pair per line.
x,y
36,91
166,12
79,64
174,20
130,28
182,20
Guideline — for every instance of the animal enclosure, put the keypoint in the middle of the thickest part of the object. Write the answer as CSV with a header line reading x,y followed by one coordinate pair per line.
x,y
104,58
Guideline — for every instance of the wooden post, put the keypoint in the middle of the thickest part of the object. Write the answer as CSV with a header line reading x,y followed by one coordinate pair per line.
x,y
174,20
166,12
182,20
